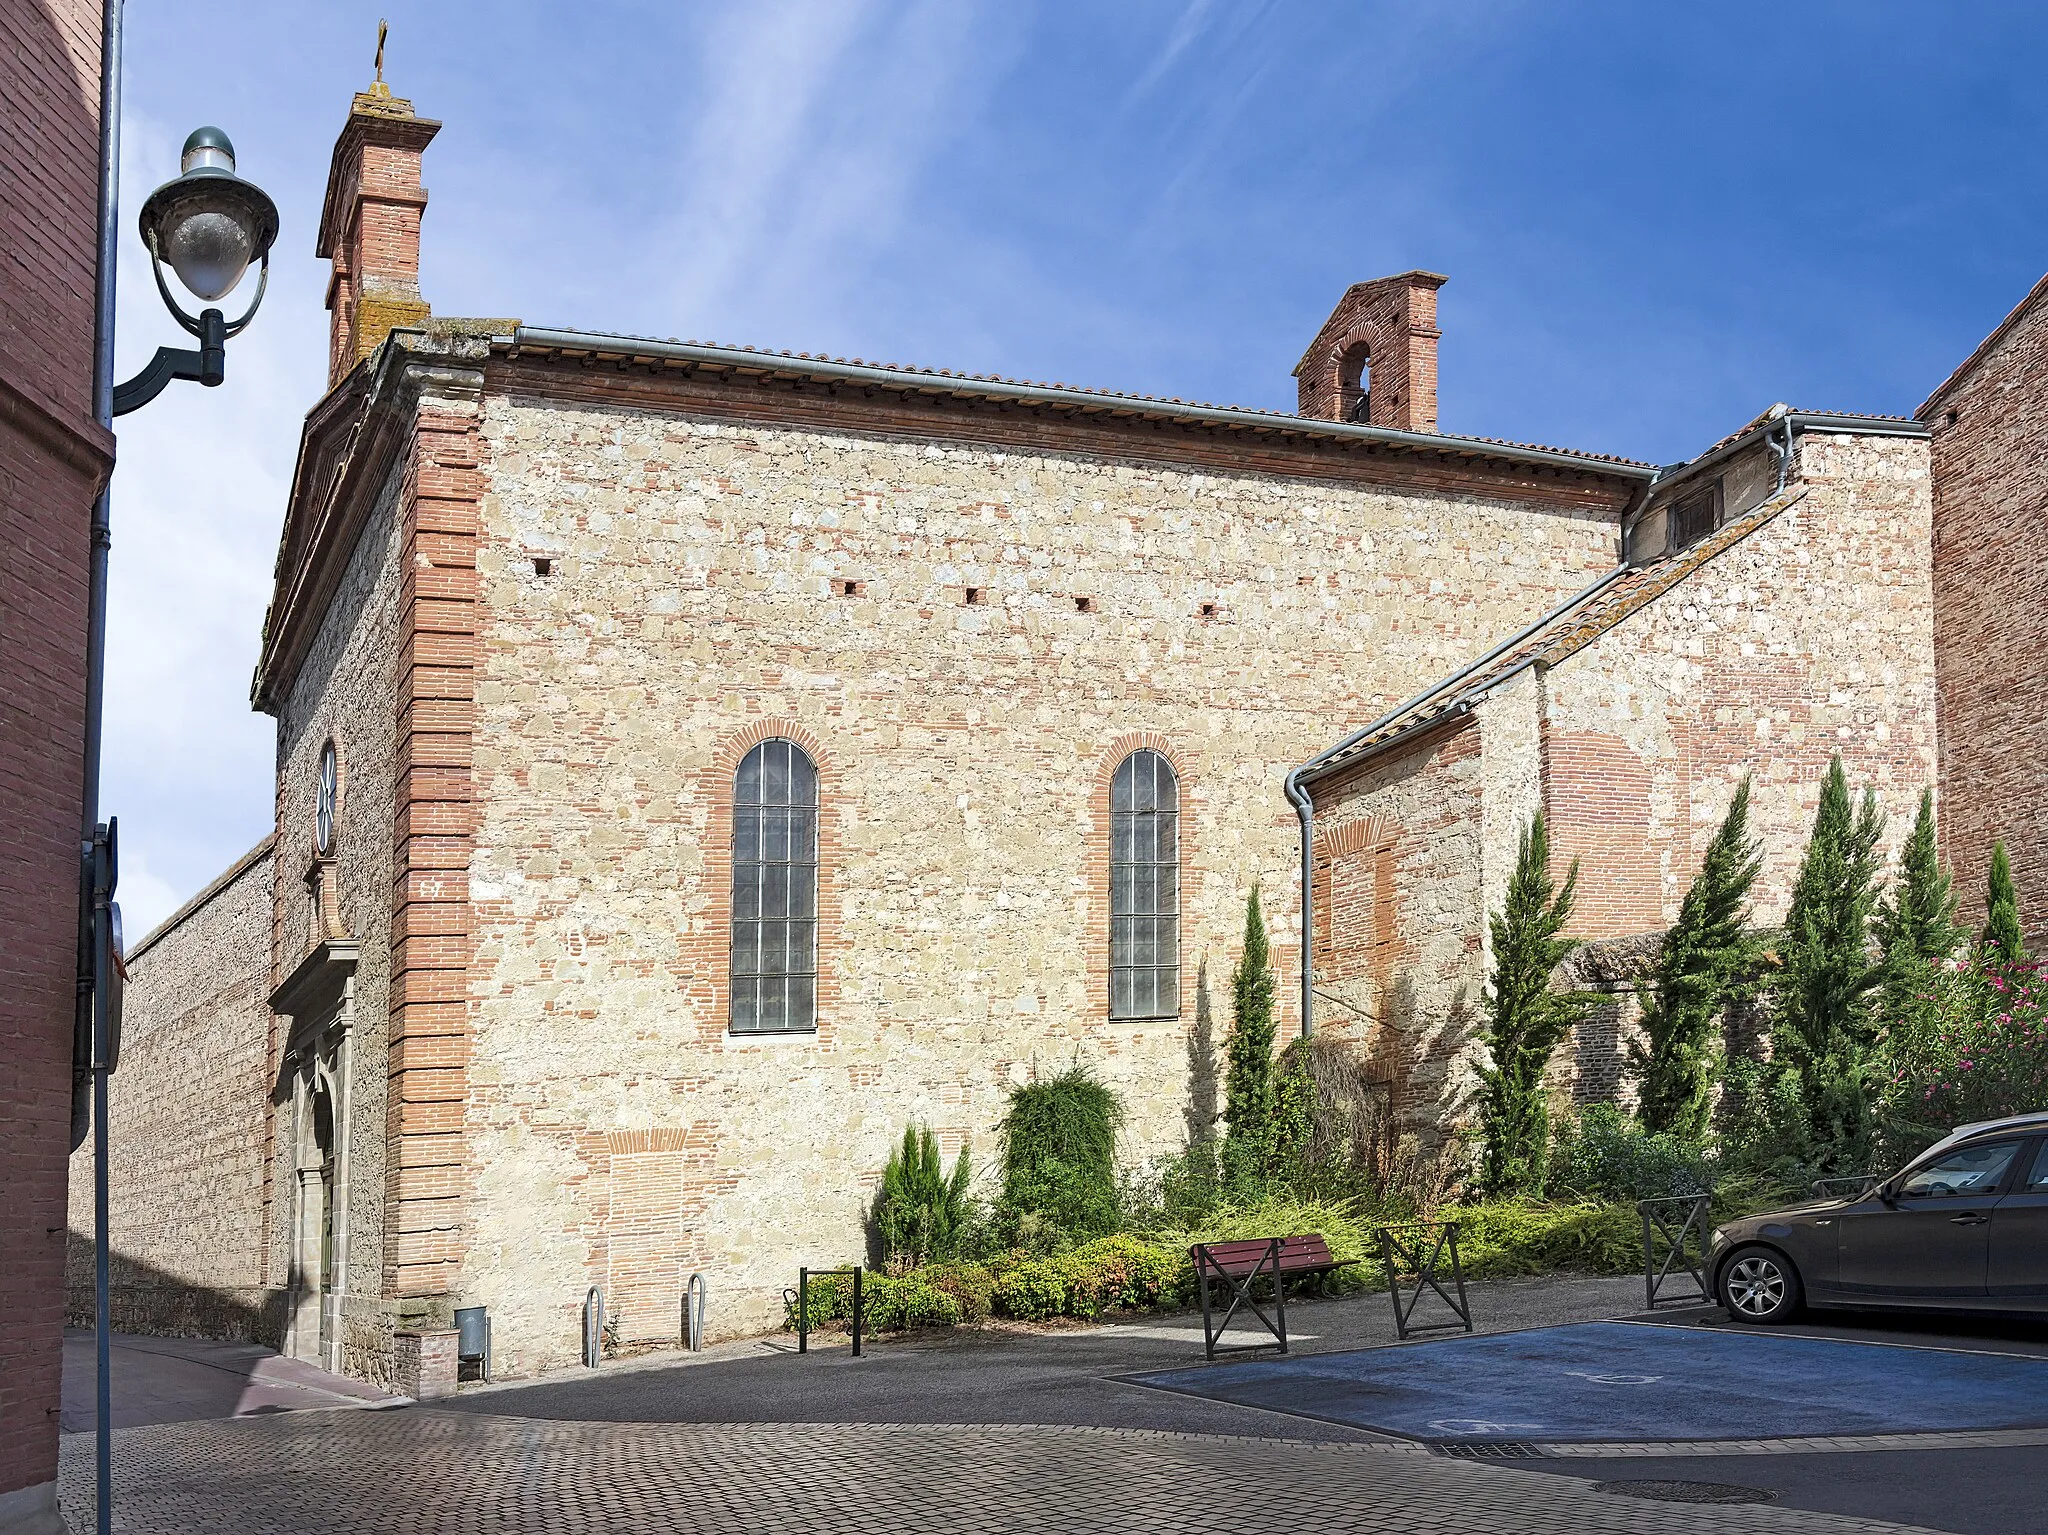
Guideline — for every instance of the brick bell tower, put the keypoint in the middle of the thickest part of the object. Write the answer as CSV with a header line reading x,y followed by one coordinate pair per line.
x,y
370,225
1374,360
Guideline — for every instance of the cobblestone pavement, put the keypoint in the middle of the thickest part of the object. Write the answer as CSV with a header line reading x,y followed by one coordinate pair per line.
x,y
425,1469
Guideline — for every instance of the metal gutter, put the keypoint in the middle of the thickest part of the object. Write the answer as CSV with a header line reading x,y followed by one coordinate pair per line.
x,y
633,348
1793,422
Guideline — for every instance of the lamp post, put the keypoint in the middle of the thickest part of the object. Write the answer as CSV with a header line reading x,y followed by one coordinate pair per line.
x,y
209,224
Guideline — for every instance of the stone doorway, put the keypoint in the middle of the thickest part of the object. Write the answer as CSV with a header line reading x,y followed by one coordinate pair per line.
x,y
318,1265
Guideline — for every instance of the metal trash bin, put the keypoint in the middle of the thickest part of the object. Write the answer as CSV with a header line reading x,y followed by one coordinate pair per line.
x,y
473,1345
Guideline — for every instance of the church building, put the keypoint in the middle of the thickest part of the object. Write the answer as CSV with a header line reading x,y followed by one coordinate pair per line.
x,y
696,763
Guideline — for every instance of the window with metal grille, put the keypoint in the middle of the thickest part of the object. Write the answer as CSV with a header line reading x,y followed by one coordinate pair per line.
x,y
1144,888
775,891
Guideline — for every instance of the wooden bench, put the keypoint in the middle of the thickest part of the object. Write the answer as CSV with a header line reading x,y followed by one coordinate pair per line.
x,y
1240,1265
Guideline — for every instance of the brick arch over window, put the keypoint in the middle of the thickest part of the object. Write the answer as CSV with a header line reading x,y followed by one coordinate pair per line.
x,y
708,953
1098,863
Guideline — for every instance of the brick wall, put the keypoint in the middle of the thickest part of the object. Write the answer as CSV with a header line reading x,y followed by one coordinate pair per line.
x,y
53,456
1991,627
188,1107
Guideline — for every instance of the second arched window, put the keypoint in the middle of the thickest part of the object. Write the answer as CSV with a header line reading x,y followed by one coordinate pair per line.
x,y
1144,888
775,891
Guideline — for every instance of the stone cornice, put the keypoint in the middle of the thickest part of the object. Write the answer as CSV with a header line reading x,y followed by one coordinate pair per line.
x,y
317,979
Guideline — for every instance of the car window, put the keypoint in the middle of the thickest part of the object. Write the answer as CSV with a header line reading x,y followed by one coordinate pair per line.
x,y
2037,1180
1964,1171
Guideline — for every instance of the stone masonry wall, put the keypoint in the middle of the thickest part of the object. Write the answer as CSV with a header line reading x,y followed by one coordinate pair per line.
x,y
1811,636
1410,829
709,582
1990,625
346,692
188,1114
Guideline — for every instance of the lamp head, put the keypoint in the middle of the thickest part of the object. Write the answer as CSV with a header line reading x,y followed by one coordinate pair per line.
x,y
209,224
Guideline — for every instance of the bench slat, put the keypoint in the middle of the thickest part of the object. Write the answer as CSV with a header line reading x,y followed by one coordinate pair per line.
x,y
1307,1253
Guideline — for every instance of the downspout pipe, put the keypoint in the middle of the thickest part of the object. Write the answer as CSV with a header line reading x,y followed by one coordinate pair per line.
x,y
92,992
1295,784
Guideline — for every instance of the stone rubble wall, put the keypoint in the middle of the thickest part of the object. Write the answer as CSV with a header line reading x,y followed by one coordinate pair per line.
x,y
188,1115
711,582
1811,636
345,692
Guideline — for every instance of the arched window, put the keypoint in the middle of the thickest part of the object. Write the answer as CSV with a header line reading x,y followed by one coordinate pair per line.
x,y
1354,383
1144,888
775,891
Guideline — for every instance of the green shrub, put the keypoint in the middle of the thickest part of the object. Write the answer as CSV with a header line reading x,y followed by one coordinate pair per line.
x,y
921,1212
1706,962
1059,1159
889,1304
971,1285
1499,1237
1031,1290
831,1299
1248,1084
1118,1273
1604,1153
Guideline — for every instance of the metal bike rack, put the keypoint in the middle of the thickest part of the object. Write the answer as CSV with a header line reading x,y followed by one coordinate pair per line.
x,y
803,1305
1209,1271
1403,1247
693,1314
1690,1231
593,1328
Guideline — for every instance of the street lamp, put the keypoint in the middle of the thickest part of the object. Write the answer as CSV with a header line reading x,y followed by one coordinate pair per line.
x,y
209,224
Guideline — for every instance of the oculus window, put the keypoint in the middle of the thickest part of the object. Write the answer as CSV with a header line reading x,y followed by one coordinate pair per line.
x,y
775,891
1144,888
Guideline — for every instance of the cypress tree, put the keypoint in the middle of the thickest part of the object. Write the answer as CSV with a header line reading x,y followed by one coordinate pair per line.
x,y
1525,1019
1916,923
1700,967
2002,903
1824,1024
1248,1052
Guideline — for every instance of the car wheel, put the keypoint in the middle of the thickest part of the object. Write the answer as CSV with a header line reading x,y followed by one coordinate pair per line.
x,y
1759,1285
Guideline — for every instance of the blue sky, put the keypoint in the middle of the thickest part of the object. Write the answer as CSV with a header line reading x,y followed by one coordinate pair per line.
x,y
1656,220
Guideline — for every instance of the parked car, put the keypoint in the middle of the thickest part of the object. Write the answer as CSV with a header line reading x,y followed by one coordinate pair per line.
x,y
1964,1226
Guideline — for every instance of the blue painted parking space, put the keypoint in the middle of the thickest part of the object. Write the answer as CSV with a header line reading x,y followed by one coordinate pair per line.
x,y
1623,1381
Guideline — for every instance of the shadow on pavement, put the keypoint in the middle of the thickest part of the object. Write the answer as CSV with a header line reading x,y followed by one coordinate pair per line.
x,y
178,1380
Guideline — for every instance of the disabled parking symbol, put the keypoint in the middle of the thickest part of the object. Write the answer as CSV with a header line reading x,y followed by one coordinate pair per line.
x,y
1615,1380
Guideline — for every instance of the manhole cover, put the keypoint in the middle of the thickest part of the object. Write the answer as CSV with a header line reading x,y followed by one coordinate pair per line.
x,y
1687,1492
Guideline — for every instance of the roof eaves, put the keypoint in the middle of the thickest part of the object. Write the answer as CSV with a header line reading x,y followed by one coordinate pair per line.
x,y
635,348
